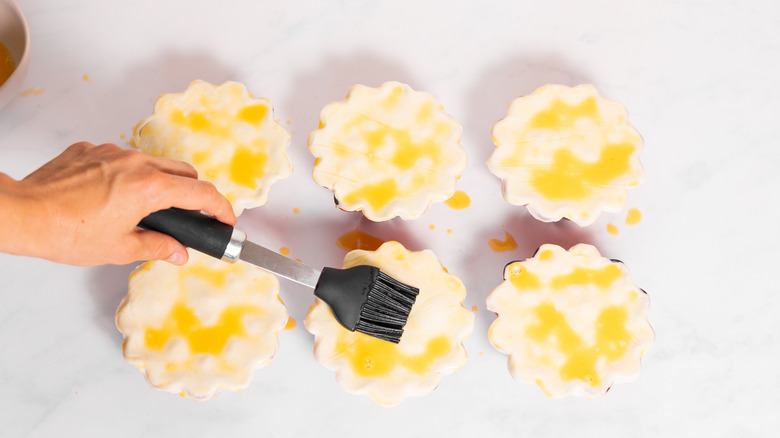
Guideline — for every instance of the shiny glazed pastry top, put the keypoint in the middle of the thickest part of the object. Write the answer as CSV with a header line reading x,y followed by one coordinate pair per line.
x,y
387,151
200,328
566,153
572,322
230,137
432,343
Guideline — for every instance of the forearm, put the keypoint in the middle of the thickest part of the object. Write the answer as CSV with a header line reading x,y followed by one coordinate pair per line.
x,y
18,224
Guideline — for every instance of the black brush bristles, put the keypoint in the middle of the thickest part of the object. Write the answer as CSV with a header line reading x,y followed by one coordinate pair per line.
x,y
387,308
367,300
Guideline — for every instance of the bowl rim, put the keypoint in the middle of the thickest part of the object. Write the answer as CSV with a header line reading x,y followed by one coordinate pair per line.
x,y
26,31
16,79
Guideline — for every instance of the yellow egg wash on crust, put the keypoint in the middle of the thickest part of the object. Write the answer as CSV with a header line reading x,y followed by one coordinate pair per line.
x,y
387,151
571,321
230,137
432,343
566,152
200,328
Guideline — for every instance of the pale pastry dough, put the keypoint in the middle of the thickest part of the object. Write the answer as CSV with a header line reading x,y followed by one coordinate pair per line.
x,y
230,137
572,322
432,343
202,327
388,151
566,153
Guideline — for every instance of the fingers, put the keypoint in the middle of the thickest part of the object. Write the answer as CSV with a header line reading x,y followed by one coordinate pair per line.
x,y
174,185
128,157
173,167
157,246
193,194
182,188
178,185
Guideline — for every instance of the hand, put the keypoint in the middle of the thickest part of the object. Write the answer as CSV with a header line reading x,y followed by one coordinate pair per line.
x,y
82,208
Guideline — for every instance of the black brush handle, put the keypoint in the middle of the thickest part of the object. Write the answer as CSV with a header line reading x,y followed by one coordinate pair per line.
x,y
192,229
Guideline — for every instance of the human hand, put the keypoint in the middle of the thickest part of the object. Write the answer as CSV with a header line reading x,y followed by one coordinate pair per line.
x,y
82,207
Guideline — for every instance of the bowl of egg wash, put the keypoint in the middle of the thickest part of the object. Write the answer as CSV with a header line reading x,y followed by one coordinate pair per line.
x,y
14,48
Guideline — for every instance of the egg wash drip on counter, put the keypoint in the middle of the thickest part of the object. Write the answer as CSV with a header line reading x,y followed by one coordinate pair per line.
x,y
633,217
182,323
33,92
291,324
357,239
7,64
394,151
508,244
568,177
551,328
249,161
459,201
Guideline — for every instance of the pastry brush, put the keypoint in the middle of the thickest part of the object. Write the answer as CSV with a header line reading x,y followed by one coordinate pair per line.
x,y
362,298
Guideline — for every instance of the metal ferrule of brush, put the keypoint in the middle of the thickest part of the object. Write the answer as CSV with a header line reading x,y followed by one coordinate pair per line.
x,y
234,246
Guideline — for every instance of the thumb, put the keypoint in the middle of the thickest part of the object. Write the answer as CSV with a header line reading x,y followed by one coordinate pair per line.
x,y
158,246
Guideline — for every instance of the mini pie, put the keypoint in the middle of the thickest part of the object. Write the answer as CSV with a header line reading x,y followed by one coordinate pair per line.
x,y
230,137
388,151
432,343
202,327
566,152
571,321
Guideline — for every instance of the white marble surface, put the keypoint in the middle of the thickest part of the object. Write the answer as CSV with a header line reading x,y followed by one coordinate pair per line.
x,y
699,79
